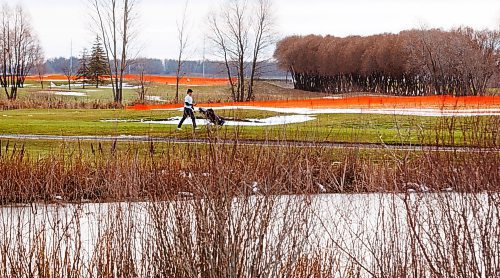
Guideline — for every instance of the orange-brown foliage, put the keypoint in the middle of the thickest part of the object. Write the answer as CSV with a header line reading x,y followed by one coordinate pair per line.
x,y
414,62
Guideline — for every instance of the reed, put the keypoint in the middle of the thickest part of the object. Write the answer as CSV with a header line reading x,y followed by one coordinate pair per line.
x,y
107,174
53,102
219,210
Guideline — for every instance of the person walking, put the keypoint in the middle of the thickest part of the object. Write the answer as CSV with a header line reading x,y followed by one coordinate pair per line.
x,y
188,110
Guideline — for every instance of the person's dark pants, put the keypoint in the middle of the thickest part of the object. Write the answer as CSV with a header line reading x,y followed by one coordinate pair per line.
x,y
188,112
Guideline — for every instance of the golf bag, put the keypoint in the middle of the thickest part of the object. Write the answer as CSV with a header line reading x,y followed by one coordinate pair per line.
x,y
211,116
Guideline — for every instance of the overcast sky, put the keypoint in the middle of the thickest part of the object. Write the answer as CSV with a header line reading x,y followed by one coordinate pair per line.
x,y
60,22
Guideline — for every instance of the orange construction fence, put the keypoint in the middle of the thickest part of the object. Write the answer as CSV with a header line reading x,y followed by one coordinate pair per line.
x,y
441,102
171,80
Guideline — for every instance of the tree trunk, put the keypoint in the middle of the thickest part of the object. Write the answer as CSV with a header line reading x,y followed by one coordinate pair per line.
x,y
231,83
177,79
13,93
252,76
241,79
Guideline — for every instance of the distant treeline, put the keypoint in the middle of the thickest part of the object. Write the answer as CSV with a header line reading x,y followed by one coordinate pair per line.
x,y
414,62
166,67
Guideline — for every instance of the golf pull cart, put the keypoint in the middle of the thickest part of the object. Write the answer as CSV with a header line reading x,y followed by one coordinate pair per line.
x,y
211,116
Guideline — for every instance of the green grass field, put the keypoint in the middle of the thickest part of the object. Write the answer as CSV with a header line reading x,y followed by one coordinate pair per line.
x,y
327,127
353,128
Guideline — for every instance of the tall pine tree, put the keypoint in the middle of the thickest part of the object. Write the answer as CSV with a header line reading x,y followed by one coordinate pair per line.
x,y
83,72
98,64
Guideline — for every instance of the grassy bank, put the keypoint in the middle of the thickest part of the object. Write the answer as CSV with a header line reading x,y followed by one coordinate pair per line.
x,y
112,172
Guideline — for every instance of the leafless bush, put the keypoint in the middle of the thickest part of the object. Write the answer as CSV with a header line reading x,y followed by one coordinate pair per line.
x,y
214,235
413,62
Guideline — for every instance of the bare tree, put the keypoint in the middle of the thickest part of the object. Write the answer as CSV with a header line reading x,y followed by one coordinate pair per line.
x,y
182,38
480,62
237,31
240,32
114,20
219,40
142,66
19,49
68,71
413,62
40,69
264,37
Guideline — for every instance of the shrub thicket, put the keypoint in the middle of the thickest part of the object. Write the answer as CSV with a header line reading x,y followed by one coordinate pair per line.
x,y
414,62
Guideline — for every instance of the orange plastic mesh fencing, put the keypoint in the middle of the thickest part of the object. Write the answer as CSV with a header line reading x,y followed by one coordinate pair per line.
x,y
436,102
170,80
183,81
50,77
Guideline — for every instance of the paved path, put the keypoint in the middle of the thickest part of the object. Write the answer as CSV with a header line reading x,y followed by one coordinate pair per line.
x,y
239,142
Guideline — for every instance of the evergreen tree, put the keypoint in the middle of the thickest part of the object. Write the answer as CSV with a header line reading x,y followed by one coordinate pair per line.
x,y
98,64
83,71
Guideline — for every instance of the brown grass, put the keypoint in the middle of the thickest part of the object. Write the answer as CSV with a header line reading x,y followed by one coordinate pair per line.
x,y
160,174
42,101
246,211
215,234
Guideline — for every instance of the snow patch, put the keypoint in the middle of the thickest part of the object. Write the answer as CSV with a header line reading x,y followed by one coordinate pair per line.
x,y
80,85
336,97
74,94
186,194
255,188
416,187
429,112
184,174
155,98
125,86
396,111
277,120
321,187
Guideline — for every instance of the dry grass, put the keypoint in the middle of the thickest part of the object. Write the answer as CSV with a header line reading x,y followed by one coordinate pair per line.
x,y
160,174
246,211
219,235
43,101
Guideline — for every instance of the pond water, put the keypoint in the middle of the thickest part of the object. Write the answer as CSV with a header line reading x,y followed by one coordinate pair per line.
x,y
353,227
